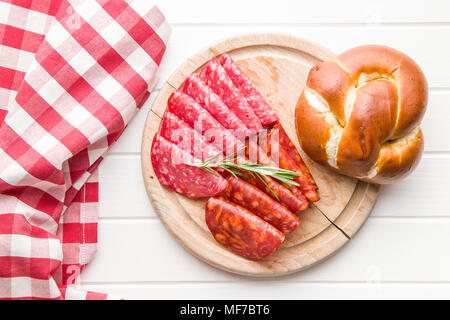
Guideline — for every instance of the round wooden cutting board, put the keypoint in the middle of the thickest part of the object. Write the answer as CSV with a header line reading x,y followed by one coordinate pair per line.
x,y
278,65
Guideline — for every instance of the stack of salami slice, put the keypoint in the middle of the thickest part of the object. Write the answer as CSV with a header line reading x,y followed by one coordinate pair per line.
x,y
220,111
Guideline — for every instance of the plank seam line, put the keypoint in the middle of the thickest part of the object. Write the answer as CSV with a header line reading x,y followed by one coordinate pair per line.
x,y
439,89
427,153
128,220
431,89
136,218
313,24
410,219
246,282
390,219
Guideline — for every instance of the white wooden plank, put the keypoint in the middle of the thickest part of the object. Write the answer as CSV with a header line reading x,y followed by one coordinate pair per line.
x,y
121,189
288,11
260,290
143,250
436,122
385,250
422,194
423,44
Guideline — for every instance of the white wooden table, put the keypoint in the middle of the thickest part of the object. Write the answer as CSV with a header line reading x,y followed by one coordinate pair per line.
x,y
403,251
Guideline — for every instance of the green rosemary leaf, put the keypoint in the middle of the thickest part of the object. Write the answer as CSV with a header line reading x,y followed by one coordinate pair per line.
x,y
230,165
214,157
287,185
211,171
232,172
238,173
263,181
233,154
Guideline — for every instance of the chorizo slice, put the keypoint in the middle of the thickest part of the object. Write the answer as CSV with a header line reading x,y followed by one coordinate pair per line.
x,y
197,89
289,146
287,163
168,162
240,230
295,203
262,109
215,76
263,155
292,199
256,201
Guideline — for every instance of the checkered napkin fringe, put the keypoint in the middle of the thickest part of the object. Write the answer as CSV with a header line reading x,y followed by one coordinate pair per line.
x,y
72,75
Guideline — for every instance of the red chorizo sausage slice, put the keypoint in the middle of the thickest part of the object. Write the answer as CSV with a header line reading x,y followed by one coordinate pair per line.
x,y
262,109
289,146
262,153
295,203
216,77
168,162
240,230
262,205
286,162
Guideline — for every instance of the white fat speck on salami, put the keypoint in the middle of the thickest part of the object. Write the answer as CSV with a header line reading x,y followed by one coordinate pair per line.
x,y
215,76
168,162
255,99
180,133
189,110
205,96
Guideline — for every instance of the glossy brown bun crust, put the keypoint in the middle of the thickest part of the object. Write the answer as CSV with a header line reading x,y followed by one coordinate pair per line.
x,y
360,115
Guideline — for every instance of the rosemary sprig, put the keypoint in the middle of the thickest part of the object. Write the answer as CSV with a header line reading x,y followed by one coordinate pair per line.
x,y
230,165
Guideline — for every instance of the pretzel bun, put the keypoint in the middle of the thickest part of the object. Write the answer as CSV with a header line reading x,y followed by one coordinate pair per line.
x,y
360,114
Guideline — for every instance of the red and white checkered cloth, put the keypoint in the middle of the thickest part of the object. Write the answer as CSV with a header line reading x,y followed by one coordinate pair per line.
x,y
72,75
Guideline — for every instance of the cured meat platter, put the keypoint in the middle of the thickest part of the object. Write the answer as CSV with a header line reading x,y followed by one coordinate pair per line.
x,y
278,66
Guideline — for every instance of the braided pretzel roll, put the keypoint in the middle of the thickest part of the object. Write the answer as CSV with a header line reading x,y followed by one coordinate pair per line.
x,y
360,115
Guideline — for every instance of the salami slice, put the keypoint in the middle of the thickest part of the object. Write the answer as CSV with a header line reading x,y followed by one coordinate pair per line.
x,y
214,75
256,201
203,122
240,230
285,162
262,109
180,133
287,144
197,89
275,190
168,162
